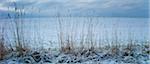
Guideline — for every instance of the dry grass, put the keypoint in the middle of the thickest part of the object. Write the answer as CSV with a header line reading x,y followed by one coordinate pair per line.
x,y
87,42
67,41
67,44
22,50
19,44
3,49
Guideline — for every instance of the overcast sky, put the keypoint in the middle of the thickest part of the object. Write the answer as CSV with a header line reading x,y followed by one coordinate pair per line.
x,y
106,8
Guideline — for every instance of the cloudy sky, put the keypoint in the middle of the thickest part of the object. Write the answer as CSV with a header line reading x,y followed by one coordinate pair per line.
x,y
104,8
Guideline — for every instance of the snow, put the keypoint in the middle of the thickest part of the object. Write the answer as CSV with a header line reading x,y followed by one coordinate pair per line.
x,y
89,57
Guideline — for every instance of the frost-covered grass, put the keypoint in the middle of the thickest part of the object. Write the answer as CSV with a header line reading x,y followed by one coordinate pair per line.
x,y
78,44
86,49
123,54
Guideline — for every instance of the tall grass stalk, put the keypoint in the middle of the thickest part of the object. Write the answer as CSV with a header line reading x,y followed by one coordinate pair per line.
x,y
60,34
3,47
18,32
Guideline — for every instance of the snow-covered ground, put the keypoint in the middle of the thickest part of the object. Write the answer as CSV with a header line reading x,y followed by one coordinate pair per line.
x,y
114,55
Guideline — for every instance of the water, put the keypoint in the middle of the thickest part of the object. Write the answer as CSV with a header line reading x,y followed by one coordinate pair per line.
x,y
42,31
